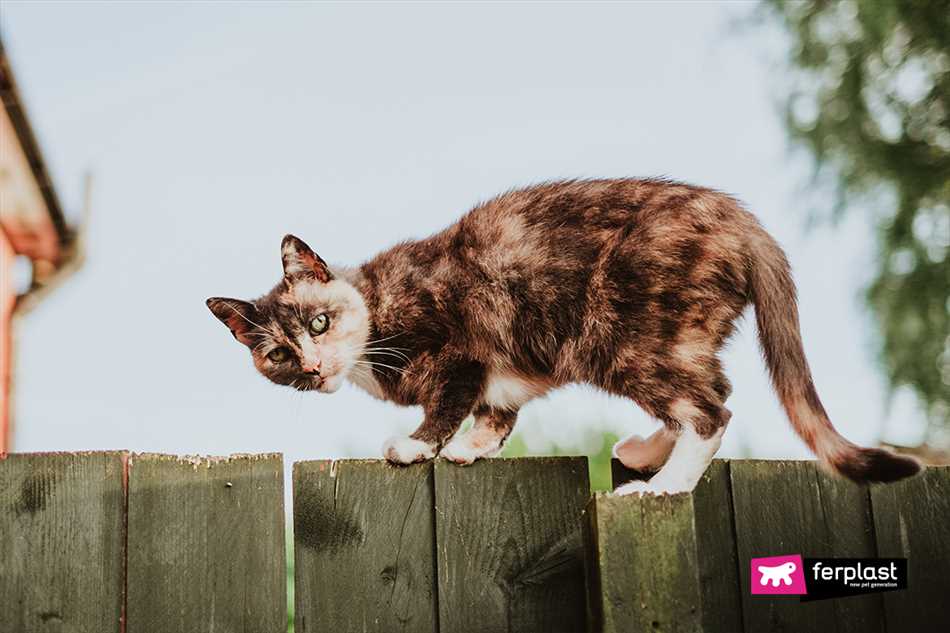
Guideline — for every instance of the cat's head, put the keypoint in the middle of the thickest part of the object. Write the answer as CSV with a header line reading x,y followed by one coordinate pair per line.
x,y
309,331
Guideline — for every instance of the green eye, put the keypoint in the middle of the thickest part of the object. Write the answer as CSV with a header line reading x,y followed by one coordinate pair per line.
x,y
278,355
320,324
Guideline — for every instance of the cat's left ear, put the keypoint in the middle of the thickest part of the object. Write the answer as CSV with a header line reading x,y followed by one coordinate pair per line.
x,y
241,317
300,262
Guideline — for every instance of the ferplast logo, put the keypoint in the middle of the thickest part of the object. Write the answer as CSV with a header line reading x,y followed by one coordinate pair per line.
x,y
778,575
821,578
840,577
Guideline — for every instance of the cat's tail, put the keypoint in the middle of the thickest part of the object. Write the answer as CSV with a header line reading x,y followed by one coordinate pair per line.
x,y
773,294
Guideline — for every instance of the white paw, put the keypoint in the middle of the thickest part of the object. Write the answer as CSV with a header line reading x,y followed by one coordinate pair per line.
x,y
467,447
405,450
633,488
649,488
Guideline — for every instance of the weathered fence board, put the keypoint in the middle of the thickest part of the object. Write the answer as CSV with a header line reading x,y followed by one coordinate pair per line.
x,y
784,507
206,544
509,545
364,547
664,563
715,541
62,534
179,545
646,552
912,521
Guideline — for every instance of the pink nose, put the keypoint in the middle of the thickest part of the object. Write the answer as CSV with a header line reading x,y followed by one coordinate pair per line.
x,y
313,369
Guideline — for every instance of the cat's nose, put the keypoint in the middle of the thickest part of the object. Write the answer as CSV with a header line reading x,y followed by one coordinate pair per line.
x,y
314,369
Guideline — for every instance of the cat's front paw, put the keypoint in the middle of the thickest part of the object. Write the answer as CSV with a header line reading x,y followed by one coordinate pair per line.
x,y
641,488
633,488
474,444
401,449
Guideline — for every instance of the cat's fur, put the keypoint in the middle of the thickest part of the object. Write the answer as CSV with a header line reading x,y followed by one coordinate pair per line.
x,y
629,285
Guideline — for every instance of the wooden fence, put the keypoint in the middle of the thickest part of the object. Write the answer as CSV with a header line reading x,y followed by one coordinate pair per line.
x,y
104,542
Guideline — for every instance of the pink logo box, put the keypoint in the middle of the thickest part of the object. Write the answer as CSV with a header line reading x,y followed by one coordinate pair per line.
x,y
778,575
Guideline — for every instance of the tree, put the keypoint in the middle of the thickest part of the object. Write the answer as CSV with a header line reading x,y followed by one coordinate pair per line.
x,y
869,97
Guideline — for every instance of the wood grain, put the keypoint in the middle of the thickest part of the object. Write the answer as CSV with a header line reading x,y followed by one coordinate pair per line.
x,y
785,507
509,545
206,544
664,563
62,534
911,520
364,547
646,552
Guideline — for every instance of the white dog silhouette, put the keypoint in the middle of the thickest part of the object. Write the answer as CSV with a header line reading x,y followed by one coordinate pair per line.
x,y
781,572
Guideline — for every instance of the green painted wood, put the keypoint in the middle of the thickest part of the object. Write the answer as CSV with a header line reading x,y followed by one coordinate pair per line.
x,y
911,519
647,578
509,545
716,550
664,563
62,536
206,544
364,547
785,507
848,533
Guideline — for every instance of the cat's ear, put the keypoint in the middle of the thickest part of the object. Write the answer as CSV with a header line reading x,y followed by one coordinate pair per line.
x,y
241,317
300,262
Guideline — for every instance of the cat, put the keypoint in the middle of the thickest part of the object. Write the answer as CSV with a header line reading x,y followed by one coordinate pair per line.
x,y
630,285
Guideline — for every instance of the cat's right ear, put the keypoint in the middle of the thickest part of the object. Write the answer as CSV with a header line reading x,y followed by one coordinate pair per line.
x,y
300,262
241,317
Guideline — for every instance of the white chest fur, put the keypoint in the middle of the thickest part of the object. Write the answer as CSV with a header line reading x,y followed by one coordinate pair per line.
x,y
504,390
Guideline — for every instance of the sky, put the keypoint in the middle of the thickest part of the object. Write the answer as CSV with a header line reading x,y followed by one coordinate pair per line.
x,y
211,130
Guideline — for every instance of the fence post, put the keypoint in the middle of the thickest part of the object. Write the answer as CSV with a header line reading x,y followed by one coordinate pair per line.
x,y
790,507
664,563
206,544
62,542
509,542
911,521
364,547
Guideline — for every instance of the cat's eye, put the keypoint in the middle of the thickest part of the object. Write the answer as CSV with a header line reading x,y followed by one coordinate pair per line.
x,y
278,355
319,324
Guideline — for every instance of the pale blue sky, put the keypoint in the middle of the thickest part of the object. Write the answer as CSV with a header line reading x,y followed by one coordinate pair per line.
x,y
214,129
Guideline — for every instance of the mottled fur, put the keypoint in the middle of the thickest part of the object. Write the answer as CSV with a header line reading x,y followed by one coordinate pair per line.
x,y
629,285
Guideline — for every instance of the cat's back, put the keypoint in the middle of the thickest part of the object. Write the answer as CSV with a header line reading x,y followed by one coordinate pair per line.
x,y
576,219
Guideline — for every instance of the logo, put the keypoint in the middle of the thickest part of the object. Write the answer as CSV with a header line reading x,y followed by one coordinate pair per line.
x,y
780,575
821,578
840,577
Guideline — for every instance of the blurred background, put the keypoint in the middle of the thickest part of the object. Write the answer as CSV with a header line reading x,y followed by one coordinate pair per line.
x,y
154,154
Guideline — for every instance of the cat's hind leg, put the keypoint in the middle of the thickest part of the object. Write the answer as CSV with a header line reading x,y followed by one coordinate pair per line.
x,y
701,427
648,455
486,438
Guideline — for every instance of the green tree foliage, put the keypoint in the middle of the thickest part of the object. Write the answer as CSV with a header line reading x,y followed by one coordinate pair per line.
x,y
870,98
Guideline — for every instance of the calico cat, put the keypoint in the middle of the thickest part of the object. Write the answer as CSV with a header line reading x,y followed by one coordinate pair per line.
x,y
629,285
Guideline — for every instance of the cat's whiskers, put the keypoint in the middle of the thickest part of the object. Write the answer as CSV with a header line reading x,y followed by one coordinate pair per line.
x,y
387,353
380,340
378,364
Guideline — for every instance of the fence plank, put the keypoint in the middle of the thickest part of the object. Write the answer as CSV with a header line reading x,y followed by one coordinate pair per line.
x,y
62,535
509,544
645,550
784,507
716,546
364,547
910,521
206,544
664,563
